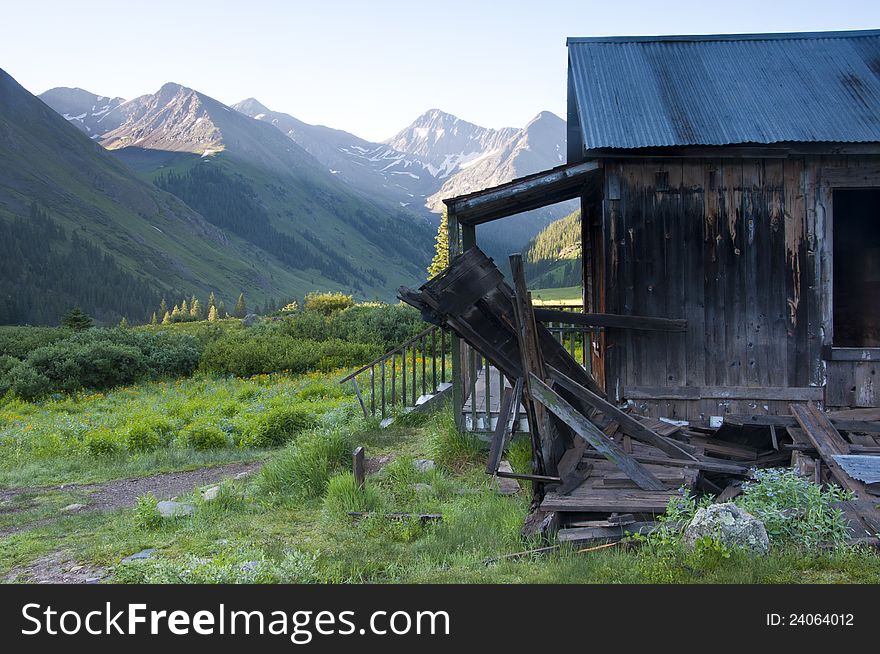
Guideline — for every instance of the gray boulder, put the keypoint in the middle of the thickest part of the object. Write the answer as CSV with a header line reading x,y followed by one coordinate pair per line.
x,y
137,556
250,320
423,465
169,509
731,525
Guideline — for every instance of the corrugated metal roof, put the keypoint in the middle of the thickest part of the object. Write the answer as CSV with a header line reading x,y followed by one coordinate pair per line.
x,y
634,92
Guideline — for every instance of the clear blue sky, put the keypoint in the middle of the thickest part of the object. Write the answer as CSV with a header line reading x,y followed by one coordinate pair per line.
x,y
367,66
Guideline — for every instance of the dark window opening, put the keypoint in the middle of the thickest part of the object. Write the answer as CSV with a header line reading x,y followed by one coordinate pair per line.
x,y
857,268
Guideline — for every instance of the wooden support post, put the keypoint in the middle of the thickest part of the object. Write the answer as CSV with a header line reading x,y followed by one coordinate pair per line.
x,y
532,362
457,377
502,428
357,461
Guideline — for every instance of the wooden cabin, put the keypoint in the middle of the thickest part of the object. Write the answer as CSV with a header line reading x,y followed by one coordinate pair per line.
x,y
732,181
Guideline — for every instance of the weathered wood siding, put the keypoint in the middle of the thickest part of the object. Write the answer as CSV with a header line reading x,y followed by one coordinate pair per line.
x,y
741,249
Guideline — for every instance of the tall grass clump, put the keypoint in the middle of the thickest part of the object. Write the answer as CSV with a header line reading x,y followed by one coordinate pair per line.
x,y
449,446
303,470
344,497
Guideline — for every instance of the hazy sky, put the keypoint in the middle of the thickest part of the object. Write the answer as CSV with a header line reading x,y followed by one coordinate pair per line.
x,y
369,66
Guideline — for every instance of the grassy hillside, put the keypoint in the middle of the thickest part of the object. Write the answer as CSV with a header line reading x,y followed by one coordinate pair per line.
x,y
152,237
553,257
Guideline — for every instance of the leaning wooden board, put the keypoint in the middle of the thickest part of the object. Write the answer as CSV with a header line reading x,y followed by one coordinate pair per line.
x,y
620,500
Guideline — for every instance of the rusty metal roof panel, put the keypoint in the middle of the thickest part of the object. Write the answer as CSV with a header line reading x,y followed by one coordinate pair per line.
x,y
635,92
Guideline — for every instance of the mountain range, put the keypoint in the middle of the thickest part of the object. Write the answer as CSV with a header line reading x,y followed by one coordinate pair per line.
x,y
176,193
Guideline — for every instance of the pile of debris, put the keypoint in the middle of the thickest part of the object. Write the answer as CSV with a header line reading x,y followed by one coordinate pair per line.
x,y
599,471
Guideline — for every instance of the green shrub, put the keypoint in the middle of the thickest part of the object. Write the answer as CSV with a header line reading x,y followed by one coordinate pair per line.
x,y
18,342
277,425
101,358
146,513
102,442
204,436
387,324
263,351
7,363
25,382
795,511
327,303
148,433
344,496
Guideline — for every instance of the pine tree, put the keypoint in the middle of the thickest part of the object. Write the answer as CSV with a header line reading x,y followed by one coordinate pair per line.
x,y
221,310
240,310
166,319
212,313
440,262
77,320
212,300
123,324
163,307
184,309
154,320
195,309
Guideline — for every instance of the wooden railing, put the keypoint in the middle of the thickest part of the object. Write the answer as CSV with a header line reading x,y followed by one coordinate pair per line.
x,y
483,387
397,380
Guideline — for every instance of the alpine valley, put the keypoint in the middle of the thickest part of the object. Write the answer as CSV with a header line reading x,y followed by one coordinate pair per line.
x,y
112,205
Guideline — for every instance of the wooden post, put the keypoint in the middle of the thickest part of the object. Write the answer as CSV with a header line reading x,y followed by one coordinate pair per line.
x,y
357,461
457,377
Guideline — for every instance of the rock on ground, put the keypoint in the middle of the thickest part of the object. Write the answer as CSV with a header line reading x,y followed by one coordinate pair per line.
x,y
143,554
505,485
423,465
211,493
731,525
73,508
169,509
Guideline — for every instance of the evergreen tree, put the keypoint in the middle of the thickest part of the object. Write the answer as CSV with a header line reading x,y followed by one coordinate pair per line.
x,y
212,300
195,309
212,313
184,309
221,310
163,307
77,320
154,320
166,319
440,262
123,324
240,310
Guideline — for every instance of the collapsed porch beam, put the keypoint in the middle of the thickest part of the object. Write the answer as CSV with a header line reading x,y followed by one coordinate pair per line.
x,y
523,194
611,320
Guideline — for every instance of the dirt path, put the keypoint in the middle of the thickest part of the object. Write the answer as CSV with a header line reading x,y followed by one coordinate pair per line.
x,y
123,493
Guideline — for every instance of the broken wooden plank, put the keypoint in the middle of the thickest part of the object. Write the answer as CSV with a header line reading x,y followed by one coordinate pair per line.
x,y
598,535
604,500
828,442
730,491
541,479
590,433
842,424
629,425
707,465
617,321
423,517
